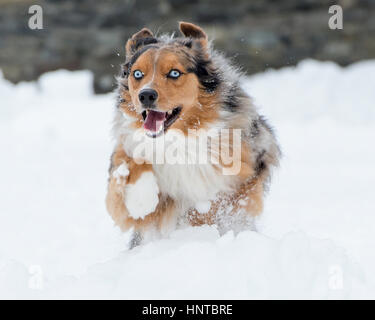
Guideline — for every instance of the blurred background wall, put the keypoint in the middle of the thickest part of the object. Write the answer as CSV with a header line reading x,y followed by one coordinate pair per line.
x,y
258,34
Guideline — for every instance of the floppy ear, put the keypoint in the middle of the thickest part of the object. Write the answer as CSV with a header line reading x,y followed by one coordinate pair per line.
x,y
192,31
138,40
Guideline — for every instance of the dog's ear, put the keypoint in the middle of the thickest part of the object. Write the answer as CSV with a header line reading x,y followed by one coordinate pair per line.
x,y
139,39
193,31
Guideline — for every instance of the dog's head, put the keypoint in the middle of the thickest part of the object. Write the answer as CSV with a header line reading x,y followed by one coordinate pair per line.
x,y
169,82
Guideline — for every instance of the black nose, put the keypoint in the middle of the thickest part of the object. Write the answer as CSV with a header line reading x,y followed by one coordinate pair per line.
x,y
148,97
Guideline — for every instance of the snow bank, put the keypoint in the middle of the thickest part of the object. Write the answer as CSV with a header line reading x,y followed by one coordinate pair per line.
x,y
315,238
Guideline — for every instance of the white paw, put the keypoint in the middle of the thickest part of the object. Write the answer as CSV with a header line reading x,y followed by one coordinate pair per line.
x,y
122,171
142,197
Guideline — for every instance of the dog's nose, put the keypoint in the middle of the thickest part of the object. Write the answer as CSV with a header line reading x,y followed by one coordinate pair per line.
x,y
148,97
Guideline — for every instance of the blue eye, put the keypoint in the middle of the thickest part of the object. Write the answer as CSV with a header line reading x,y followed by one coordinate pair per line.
x,y
174,74
138,74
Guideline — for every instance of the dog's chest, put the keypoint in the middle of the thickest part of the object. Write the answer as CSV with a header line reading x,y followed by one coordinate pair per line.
x,y
191,183
186,177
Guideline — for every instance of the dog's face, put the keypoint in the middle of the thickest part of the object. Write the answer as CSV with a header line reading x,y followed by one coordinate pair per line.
x,y
166,80
162,88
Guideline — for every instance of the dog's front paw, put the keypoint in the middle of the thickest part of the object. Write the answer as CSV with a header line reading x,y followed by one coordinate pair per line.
x,y
142,197
121,173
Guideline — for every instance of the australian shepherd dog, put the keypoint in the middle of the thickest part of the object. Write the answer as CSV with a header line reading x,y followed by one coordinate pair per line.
x,y
190,147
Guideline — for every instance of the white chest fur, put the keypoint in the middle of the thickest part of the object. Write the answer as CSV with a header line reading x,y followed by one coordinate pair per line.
x,y
180,174
191,183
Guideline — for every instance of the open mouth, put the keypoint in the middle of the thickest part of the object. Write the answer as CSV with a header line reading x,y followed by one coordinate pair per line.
x,y
157,122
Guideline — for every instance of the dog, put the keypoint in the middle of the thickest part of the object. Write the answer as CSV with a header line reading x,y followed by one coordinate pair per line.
x,y
173,92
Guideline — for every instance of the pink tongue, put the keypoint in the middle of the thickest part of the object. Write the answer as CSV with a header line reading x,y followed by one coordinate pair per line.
x,y
154,120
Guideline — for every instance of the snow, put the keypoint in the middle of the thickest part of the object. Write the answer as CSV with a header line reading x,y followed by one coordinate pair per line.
x,y
315,239
121,172
203,206
142,197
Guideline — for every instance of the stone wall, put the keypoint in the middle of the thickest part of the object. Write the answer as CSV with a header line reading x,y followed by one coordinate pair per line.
x,y
258,34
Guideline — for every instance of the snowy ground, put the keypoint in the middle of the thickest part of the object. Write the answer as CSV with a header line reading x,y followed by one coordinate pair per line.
x,y
316,238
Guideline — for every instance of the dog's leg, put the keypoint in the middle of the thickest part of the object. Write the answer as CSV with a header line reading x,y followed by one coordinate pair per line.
x,y
236,211
134,201
135,240
132,190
